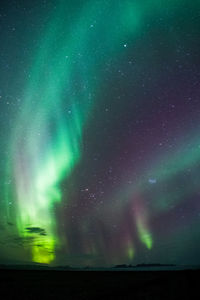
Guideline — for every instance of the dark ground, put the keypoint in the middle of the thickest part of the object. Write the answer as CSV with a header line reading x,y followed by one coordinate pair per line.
x,y
34,284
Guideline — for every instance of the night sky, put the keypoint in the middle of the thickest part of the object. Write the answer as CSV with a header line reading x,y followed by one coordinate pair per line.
x,y
100,132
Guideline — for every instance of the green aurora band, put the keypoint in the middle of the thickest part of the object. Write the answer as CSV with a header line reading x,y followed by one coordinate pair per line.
x,y
65,80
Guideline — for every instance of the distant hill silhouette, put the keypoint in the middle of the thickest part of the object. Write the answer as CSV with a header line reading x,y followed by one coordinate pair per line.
x,y
144,265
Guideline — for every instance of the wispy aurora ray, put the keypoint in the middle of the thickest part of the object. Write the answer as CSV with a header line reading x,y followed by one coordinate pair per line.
x,y
166,169
48,135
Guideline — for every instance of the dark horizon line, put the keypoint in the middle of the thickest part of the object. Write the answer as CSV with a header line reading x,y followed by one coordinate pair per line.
x,y
114,267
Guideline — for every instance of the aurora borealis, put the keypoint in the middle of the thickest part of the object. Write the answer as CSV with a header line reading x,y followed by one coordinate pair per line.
x,y
100,122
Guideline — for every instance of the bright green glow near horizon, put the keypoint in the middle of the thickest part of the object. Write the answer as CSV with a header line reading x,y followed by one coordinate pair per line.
x,y
51,145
